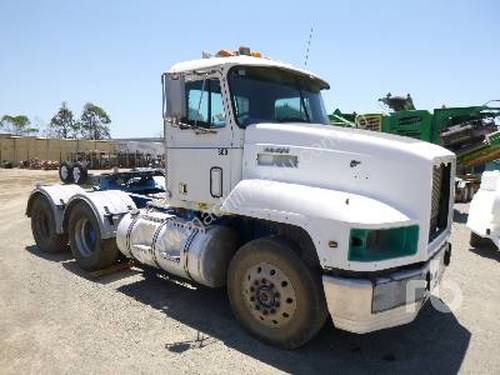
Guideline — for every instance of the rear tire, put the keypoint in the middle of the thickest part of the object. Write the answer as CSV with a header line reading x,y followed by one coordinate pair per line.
x,y
466,194
89,249
43,226
66,172
478,241
471,193
79,173
274,295
462,195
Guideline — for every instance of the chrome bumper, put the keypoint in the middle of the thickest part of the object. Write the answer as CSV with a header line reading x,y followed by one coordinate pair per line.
x,y
366,305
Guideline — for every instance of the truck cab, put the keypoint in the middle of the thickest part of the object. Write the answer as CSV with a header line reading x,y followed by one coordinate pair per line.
x,y
225,96
299,220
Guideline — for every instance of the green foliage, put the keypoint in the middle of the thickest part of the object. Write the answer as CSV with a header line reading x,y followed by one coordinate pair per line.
x,y
63,124
94,122
19,125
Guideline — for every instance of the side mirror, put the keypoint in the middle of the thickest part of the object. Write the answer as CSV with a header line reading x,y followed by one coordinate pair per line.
x,y
174,97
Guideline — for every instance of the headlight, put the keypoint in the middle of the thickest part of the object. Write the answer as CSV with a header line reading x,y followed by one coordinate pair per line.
x,y
368,245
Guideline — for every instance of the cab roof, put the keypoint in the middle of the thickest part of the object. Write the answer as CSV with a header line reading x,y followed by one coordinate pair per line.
x,y
215,62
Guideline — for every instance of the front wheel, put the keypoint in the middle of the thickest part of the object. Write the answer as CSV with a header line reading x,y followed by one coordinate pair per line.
x,y
89,249
274,295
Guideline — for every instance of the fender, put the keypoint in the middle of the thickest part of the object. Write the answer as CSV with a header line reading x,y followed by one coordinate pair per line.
x,y
325,214
108,206
58,197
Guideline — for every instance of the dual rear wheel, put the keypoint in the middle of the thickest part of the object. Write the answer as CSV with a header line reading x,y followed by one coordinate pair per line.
x,y
90,250
73,173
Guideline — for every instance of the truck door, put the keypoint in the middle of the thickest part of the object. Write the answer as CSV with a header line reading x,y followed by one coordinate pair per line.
x,y
198,163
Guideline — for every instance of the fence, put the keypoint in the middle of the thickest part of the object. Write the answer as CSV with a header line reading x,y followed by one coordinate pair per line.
x,y
97,154
13,148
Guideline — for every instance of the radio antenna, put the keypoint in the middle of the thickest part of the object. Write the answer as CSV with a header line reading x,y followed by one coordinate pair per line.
x,y
308,46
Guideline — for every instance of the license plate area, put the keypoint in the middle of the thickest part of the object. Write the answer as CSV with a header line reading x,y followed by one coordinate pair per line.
x,y
407,287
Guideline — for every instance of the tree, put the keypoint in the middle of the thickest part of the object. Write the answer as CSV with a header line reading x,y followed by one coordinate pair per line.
x,y
19,125
94,122
63,123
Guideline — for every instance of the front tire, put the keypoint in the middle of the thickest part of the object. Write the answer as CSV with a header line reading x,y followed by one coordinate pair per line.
x,y
43,226
66,172
274,295
89,249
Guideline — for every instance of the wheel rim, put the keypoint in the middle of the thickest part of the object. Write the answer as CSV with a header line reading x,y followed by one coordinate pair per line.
x,y
64,172
269,295
85,237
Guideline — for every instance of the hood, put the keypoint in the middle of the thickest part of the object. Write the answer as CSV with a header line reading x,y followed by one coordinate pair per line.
x,y
320,136
397,171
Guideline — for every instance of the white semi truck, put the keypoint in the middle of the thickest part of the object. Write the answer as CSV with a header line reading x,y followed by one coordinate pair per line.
x,y
299,220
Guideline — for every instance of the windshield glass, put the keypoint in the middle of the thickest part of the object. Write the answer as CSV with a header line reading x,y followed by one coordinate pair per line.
x,y
273,95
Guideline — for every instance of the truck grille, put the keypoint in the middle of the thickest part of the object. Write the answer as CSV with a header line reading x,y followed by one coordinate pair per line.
x,y
440,200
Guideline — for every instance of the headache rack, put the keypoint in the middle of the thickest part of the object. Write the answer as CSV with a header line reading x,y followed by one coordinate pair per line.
x,y
440,203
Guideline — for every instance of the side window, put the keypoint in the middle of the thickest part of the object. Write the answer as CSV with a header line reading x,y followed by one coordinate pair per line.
x,y
204,103
290,108
197,100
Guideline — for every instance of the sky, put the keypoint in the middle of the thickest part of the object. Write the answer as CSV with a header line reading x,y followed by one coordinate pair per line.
x,y
112,53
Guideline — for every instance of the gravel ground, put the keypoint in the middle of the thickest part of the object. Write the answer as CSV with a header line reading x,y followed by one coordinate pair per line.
x,y
54,318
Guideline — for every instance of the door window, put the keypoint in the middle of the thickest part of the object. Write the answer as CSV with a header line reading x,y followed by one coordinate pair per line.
x,y
205,104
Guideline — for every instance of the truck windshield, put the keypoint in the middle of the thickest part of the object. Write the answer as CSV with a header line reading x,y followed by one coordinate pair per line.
x,y
273,95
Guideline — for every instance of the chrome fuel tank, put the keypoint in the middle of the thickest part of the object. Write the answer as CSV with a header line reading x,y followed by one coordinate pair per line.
x,y
178,246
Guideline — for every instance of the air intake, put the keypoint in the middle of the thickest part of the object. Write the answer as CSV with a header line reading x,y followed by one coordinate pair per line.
x,y
440,203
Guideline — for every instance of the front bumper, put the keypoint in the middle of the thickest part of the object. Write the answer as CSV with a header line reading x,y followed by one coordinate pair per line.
x,y
364,305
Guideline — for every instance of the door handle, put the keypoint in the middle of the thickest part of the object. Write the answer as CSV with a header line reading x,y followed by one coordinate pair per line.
x,y
216,187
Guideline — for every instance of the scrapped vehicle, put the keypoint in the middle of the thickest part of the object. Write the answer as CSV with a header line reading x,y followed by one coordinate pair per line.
x,y
484,212
299,220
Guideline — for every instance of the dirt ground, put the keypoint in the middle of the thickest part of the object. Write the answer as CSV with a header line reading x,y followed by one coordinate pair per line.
x,y
55,319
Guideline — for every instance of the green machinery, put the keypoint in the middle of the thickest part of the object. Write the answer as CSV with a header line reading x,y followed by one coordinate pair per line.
x,y
470,132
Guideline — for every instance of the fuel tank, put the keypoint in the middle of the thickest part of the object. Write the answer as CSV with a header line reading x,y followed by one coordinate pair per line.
x,y
178,246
